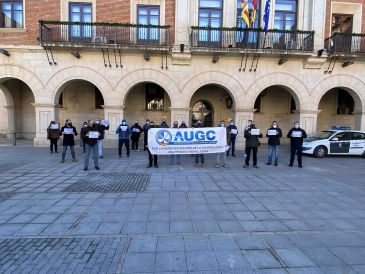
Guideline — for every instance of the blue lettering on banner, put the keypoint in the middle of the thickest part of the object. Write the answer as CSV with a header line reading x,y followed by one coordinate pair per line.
x,y
164,137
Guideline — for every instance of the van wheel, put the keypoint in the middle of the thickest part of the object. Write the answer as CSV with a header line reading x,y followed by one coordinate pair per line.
x,y
320,152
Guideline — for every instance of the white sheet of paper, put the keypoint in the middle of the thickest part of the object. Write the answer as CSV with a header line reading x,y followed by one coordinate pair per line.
x,y
54,126
123,128
105,122
296,134
227,148
93,134
234,131
136,130
68,130
255,131
272,132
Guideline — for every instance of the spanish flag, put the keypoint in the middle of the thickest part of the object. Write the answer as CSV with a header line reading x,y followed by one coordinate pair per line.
x,y
245,14
254,9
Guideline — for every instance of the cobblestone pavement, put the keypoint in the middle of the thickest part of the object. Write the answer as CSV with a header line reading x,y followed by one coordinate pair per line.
x,y
126,218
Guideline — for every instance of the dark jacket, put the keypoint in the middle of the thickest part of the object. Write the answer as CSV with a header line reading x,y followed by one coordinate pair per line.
x,y
164,125
251,140
198,125
86,130
183,126
101,129
146,127
53,133
82,131
136,130
123,134
297,141
274,140
68,139
230,135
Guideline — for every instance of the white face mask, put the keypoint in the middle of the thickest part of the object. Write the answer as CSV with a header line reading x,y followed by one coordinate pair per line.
x,y
222,125
274,126
147,123
296,126
123,123
231,124
97,122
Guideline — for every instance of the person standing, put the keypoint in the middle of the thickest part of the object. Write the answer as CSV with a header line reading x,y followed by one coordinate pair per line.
x,y
152,159
101,128
296,135
68,131
198,157
146,127
123,131
53,134
232,133
221,154
84,126
90,135
136,130
164,124
172,156
274,134
252,144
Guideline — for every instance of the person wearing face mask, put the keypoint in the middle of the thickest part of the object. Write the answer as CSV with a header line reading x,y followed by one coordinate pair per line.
x,y
172,156
146,127
101,128
183,125
252,144
249,123
231,137
222,155
82,140
296,135
198,157
136,130
68,131
152,159
123,131
274,134
53,134
164,124
91,143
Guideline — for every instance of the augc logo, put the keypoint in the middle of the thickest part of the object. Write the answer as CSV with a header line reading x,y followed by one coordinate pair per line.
x,y
163,137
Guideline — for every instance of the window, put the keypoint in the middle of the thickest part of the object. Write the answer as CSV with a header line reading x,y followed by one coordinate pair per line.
x,y
148,15
345,103
11,13
343,136
210,15
240,22
80,12
60,100
99,100
358,136
154,97
285,15
247,38
342,23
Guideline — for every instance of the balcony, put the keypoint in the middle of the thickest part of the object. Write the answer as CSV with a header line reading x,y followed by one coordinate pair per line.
x,y
346,44
104,35
251,40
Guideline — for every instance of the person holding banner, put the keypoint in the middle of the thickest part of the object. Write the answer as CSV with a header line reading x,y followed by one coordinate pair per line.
x,y
199,124
53,134
172,156
164,124
274,134
123,131
101,126
136,134
68,131
146,127
232,133
90,135
252,135
222,155
152,159
296,135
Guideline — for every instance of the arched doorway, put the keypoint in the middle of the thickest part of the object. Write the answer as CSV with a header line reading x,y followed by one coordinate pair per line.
x,y
211,103
276,103
337,107
16,110
147,100
80,101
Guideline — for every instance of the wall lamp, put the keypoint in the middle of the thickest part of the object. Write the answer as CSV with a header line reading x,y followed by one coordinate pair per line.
x,y
5,52
320,52
76,54
146,56
347,63
215,58
182,47
282,60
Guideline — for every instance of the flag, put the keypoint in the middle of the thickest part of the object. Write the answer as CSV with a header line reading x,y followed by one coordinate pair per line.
x,y
254,10
267,15
245,14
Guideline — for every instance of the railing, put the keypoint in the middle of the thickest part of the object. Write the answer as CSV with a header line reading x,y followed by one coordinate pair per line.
x,y
103,34
252,39
346,43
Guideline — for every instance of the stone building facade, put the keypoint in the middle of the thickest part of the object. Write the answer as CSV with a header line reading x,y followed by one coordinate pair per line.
x,y
201,62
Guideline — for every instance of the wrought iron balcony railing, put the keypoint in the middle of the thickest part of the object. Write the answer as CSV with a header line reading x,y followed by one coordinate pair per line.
x,y
230,39
346,43
115,35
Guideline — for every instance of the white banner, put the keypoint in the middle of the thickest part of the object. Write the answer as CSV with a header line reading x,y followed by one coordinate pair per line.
x,y
167,141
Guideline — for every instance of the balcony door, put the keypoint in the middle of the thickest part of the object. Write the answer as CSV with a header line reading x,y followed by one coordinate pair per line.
x,y
342,23
210,16
285,21
149,16
80,13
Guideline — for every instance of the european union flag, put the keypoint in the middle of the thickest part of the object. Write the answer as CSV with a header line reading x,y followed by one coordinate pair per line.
x,y
267,15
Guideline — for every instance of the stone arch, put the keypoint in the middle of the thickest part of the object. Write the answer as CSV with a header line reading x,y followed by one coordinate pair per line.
x,y
293,85
351,84
221,79
62,77
8,96
130,80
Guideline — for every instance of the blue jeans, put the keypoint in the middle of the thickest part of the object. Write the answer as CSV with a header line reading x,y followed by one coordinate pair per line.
x,y
72,148
94,148
273,149
178,159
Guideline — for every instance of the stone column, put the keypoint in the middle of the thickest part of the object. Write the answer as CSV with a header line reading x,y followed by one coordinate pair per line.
x,y
318,23
114,114
241,118
308,120
180,114
359,120
11,122
44,114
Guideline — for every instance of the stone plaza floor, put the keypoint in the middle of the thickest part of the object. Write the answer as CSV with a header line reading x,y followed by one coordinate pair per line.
x,y
126,218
